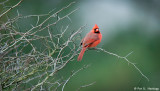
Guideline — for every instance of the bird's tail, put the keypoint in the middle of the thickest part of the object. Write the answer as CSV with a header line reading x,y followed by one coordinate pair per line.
x,y
81,54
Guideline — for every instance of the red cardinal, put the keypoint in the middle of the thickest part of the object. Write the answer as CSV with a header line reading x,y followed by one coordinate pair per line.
x,y
92,39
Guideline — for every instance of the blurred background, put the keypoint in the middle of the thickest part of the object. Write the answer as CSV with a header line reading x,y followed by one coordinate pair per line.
x,y
126,26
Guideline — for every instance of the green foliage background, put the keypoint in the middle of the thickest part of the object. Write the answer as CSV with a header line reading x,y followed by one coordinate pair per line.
x,y
109,72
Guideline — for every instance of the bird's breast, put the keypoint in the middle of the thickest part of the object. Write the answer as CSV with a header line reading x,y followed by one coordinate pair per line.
x,y
92,39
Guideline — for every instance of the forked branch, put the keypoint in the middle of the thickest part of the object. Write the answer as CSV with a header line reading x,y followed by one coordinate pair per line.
x,y
125,58
10,8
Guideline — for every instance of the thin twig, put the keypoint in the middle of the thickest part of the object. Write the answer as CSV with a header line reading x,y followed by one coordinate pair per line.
x,y
11,8
125,58
24,61
72,76
87,85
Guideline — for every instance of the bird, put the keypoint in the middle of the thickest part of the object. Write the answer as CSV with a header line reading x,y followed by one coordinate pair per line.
x,y
92,39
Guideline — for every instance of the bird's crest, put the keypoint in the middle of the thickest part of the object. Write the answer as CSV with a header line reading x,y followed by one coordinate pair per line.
x,y
95,26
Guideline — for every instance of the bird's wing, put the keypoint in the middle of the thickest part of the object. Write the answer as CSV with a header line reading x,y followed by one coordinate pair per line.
x,y
89,42
89,39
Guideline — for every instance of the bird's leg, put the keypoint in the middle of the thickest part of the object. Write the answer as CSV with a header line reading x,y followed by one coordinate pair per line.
x,y
92,48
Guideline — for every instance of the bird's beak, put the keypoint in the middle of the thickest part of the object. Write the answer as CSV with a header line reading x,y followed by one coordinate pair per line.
x,y
97,30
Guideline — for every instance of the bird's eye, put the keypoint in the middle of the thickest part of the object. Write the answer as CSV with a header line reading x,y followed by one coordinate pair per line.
x,y
96,30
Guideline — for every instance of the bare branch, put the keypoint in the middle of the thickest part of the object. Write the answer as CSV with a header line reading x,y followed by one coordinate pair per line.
x,y
22,61
73,74
125,58
87,85
11,8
